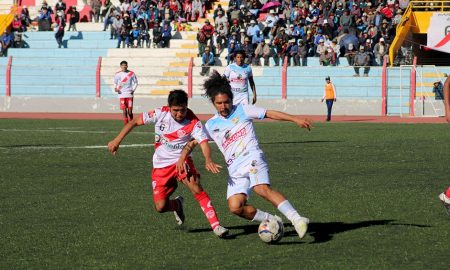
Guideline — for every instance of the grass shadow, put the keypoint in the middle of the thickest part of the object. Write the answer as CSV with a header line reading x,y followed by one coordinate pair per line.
x,y
324,232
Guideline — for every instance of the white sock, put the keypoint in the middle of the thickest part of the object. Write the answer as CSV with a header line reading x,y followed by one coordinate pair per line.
x,y
261,216
288,211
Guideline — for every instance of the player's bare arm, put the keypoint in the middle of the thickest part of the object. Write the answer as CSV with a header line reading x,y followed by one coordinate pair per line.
x,y
187,149
277,115
113,146
447,98
210,165
253,86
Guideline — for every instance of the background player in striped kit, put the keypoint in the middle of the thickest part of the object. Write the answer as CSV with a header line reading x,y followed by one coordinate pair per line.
x,y
125,83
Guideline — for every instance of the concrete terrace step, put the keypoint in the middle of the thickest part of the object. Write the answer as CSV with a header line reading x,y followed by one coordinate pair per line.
x,y
59,53
157,53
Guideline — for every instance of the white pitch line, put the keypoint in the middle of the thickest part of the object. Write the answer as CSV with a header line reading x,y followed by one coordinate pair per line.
x,y
75,147
70,131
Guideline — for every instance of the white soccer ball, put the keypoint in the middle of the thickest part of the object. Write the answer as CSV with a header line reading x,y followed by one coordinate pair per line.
x,y
271,231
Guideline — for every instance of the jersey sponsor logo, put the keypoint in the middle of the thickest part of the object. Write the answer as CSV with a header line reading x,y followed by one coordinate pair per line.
x,y
159,139
235,120
233,138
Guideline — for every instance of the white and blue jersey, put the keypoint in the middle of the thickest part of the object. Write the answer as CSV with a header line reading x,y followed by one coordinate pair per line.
x,y
238,77
235,135
236,139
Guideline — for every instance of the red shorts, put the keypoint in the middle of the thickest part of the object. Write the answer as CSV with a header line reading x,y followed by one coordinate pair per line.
x,y
165,180
126,103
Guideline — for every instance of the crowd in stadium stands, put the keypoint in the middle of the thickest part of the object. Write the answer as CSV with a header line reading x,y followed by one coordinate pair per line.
x,y
359,30
140,23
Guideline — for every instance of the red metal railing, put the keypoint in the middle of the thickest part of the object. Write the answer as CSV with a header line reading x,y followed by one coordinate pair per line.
x,y
284,79
412,92
190,68
97,77
8,77
384,87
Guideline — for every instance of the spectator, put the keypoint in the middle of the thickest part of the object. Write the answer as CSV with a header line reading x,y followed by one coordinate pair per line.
x,y
60,7
59,30
221,20
262,50
257,38
292,53
94,13
208,60
302,53
336,51
280,44
105,12
233,48
6,42
350,54
45,19
202,41
16,25
116,26
166,35
270,21
321,47
247,47
197,10
207,30
134,36
379,51
362,59
252,29
144,37
157,35
123,37
325,57
74,18
438,89
25,17
222,33
218,10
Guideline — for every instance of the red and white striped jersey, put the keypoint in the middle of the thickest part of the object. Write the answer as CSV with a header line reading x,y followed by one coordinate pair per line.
x,y
171,136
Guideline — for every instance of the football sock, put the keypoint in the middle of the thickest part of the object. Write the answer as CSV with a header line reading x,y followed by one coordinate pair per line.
x,y
174,205
288,210
261,216
125,120
209,211
447,193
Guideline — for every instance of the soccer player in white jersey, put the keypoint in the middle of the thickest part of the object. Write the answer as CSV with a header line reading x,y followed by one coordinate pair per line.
x,y
175,126
232,130
240,75
125,83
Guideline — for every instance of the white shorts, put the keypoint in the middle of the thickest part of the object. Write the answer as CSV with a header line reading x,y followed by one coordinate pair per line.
x,y
252,172
240,99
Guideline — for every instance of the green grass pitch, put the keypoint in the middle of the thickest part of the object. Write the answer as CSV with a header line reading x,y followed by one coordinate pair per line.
x,y
370,191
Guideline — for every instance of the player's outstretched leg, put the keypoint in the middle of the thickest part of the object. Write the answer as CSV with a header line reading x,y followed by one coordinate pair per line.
x,y
210,213
445,199
277,199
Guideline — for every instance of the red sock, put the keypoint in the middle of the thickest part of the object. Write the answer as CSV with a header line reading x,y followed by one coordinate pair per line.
x,y
209,211
447,193
125,120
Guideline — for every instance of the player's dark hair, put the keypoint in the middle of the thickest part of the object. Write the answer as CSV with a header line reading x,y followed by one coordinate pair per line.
x,y
217,84
241,52
124,62
177,97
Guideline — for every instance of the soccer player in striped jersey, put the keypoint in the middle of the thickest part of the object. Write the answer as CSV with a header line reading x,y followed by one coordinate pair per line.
x,y
125,83
175,126
232,130
240,75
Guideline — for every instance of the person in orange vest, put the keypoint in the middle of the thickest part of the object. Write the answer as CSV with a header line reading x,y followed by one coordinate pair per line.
x,y
329,95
